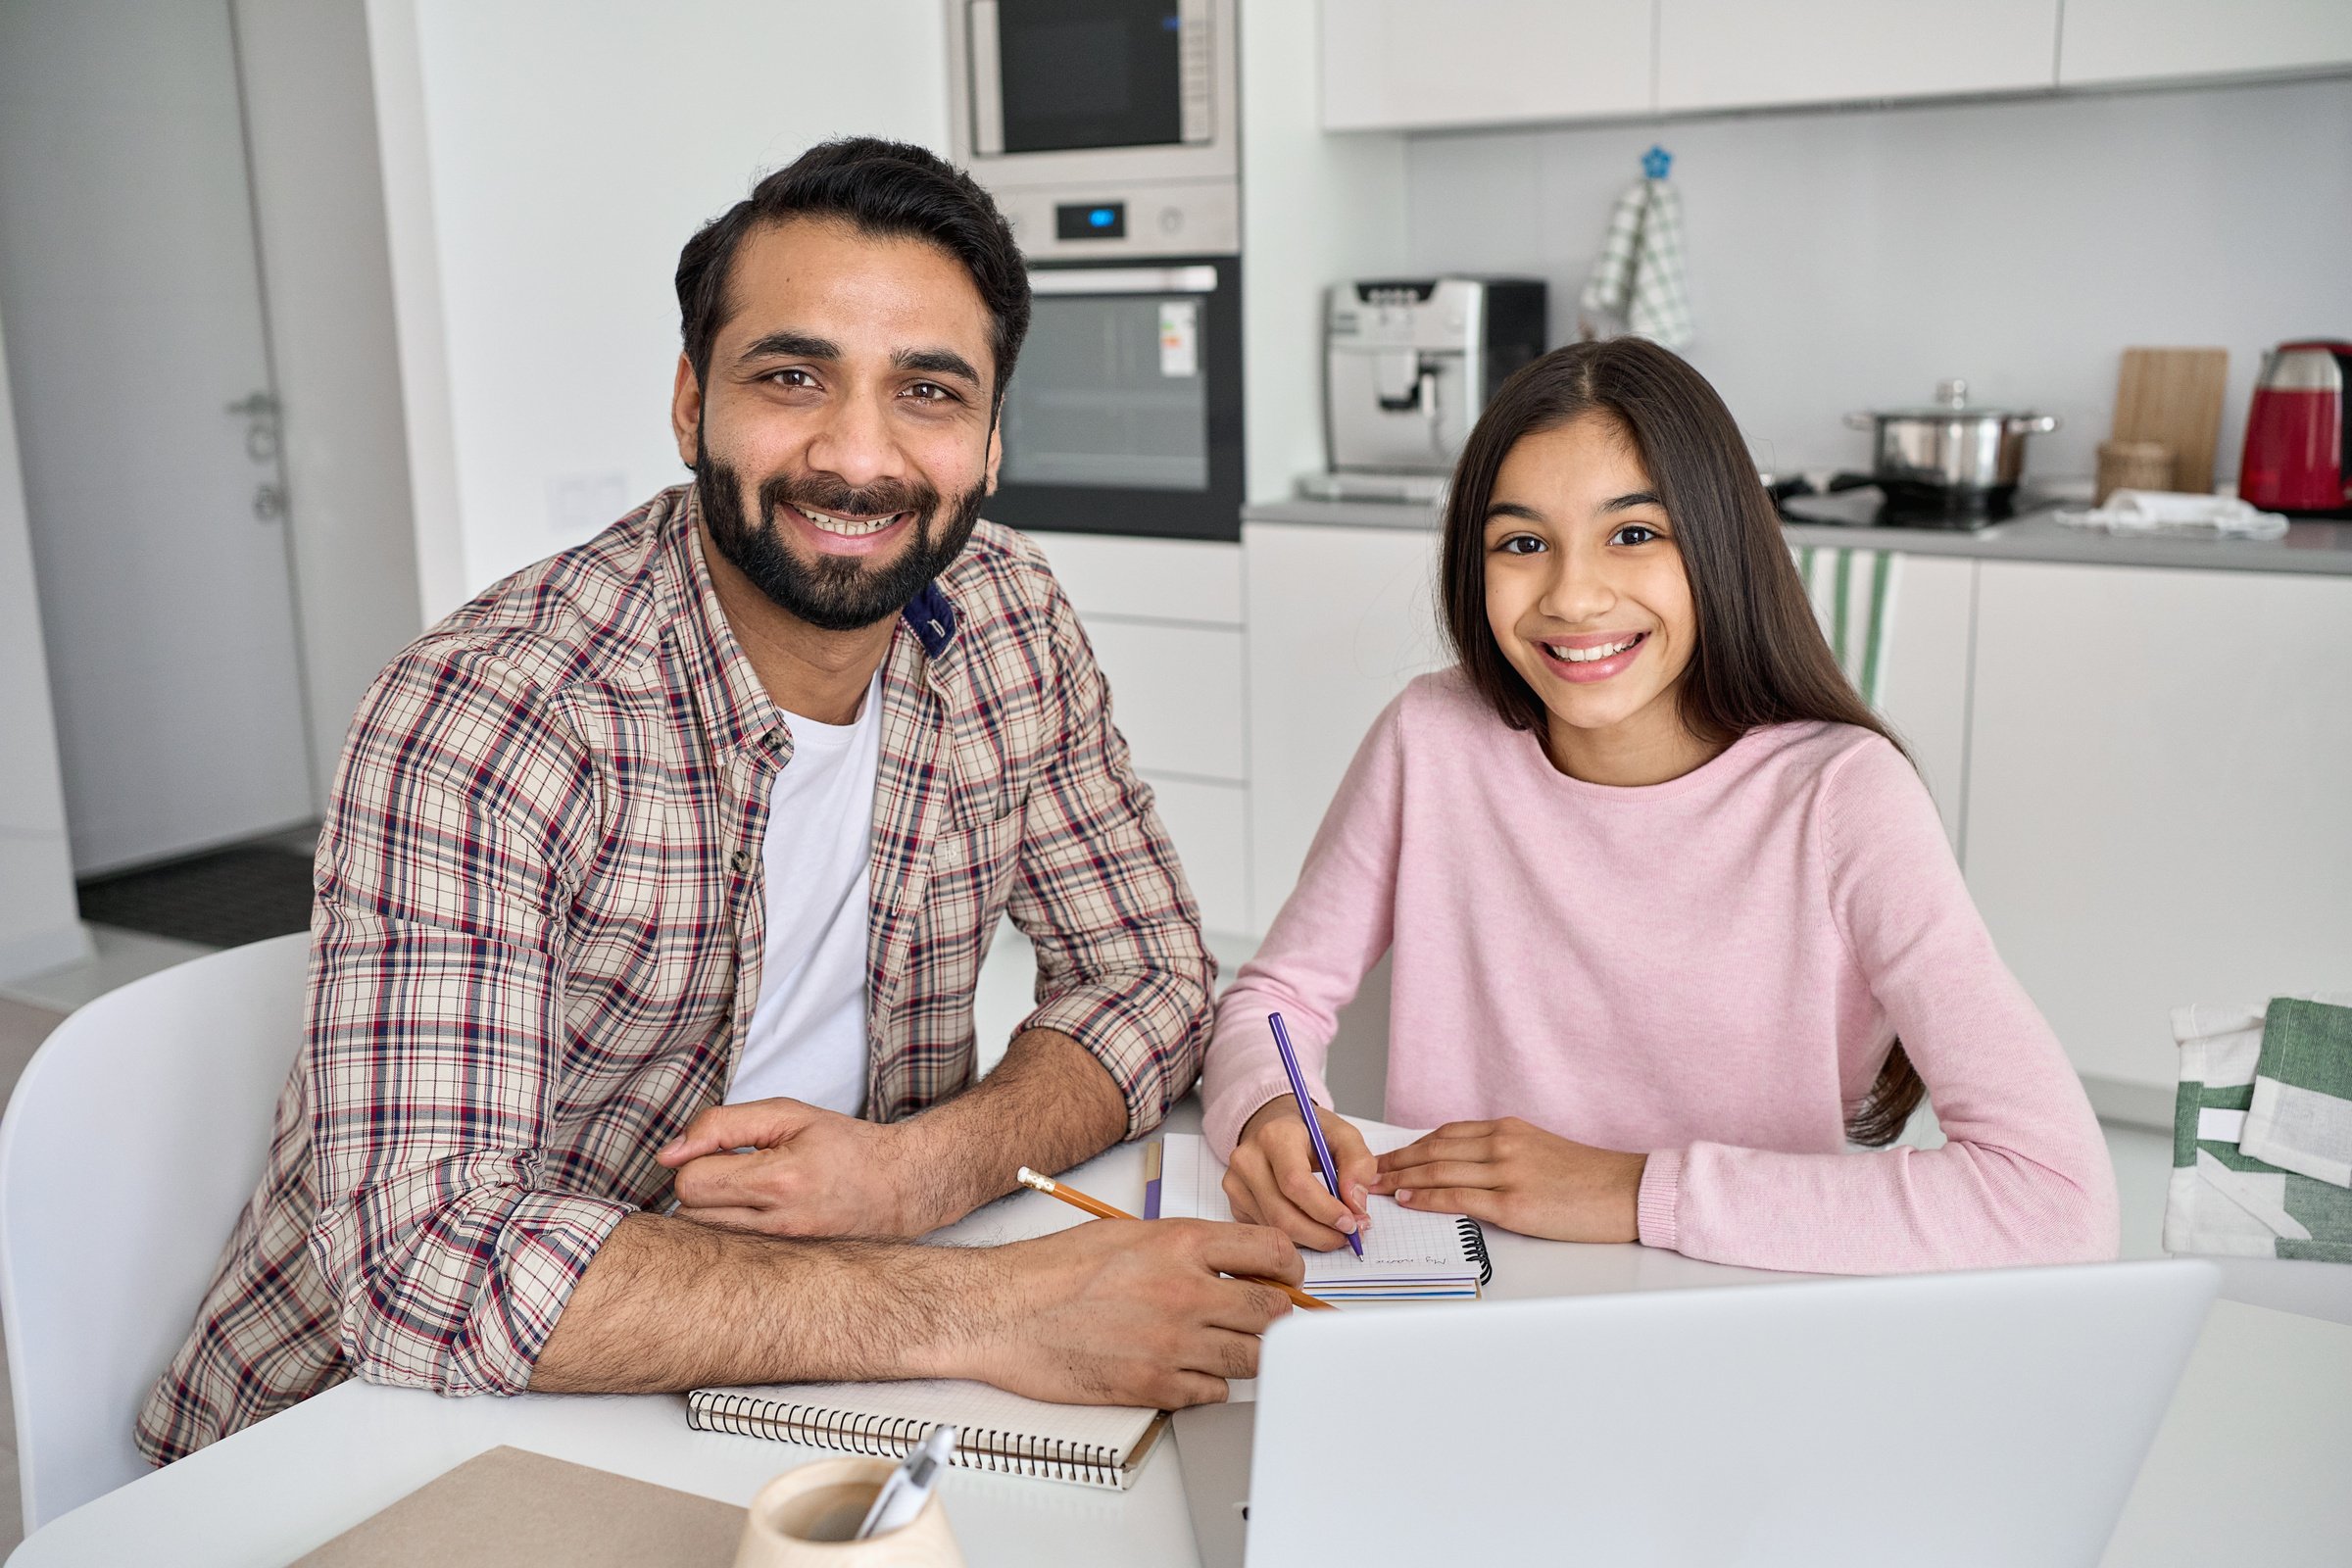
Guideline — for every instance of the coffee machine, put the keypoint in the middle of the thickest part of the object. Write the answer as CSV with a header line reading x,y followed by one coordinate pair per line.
x,y
1407,364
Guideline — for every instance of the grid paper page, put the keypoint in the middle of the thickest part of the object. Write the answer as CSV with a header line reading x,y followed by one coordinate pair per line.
x,y
1399,1245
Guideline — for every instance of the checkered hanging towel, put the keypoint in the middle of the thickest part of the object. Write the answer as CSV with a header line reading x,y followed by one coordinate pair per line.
x,y
1637,281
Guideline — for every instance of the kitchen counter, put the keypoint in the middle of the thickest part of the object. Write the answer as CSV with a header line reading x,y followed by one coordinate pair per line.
x,y
2323,548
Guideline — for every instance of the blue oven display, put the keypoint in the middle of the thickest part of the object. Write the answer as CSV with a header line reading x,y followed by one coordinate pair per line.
x,y
1089,221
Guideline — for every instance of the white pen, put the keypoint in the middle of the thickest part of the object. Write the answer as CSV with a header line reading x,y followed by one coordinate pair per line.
x,y
909,1488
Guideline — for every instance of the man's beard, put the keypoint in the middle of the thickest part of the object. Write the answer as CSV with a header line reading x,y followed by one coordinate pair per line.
x,y
834,592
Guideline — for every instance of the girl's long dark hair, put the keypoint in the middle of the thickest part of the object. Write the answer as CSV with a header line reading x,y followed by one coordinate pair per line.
x,y
1759,657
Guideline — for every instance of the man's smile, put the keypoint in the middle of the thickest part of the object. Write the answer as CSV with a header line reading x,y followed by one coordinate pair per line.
x,y
835,535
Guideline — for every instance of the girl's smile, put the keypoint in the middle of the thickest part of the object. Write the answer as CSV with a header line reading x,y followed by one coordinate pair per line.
x,y
1593,656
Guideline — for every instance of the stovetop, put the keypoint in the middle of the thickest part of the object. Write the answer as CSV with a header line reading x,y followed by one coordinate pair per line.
x,y
1870,506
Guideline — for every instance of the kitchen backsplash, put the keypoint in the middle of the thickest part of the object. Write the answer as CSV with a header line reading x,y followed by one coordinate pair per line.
x,y
1850,259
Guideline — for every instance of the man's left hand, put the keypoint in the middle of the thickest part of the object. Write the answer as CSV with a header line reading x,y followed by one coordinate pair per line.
x,y
805,1171
1516,1175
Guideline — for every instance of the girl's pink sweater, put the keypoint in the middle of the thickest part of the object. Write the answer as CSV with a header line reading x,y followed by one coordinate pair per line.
x,y
1708,971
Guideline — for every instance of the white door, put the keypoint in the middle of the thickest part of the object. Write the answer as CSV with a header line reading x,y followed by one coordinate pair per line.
x,y
133,304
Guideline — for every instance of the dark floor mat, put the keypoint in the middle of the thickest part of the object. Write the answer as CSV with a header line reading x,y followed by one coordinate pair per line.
x,y
222,900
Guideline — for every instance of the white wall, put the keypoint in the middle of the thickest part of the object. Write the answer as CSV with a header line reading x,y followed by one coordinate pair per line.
x,y
310,120
544,161
1845,259
40,926
1316,209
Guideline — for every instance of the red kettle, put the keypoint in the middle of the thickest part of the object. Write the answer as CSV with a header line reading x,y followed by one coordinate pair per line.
x,y
2298,454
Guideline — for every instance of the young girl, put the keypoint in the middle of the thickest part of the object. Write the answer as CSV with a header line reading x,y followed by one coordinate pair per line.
x,y
1673,916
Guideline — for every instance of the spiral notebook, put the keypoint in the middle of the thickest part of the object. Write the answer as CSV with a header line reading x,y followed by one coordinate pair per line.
x,y
1093,1444
1409,1255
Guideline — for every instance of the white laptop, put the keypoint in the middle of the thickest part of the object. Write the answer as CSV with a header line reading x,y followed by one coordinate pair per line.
x,y
1979,1418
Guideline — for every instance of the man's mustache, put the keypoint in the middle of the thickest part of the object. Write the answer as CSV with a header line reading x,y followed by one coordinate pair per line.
x,y
837,499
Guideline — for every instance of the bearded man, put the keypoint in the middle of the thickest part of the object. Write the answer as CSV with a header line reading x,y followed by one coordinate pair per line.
x,y
656,879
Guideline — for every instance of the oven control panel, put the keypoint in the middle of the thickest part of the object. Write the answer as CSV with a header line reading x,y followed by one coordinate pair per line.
x,y
1177,217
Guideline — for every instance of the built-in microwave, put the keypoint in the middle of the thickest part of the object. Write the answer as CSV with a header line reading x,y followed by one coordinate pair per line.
x,y
1124,413
1053,103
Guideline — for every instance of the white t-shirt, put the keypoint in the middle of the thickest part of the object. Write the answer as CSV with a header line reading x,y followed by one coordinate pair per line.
x,y
808,1033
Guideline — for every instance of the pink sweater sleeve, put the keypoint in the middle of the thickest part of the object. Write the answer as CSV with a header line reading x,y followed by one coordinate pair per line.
x,y
2023,1177
1331,931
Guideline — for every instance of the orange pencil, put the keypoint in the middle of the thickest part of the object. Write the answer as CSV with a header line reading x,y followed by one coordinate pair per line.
x,y
1101,1211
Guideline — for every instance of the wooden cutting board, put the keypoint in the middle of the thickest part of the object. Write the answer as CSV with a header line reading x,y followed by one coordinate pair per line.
x,y
2174,396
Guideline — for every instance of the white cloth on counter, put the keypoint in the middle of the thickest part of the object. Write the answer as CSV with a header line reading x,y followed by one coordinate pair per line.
x,y
2177,512
1638,279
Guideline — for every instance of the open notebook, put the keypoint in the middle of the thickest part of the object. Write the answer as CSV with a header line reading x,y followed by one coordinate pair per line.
x,y
1096,1445
1408,1255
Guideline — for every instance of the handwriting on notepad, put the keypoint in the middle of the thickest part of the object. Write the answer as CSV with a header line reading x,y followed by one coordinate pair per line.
x,y
1399,1239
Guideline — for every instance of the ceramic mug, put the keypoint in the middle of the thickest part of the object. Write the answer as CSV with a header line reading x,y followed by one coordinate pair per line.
x,y
806,1518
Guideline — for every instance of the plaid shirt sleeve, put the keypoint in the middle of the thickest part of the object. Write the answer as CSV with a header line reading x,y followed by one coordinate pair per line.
x,y
436,1026
1121,967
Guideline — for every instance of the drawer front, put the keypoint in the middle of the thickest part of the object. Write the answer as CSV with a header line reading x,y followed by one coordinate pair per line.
x,y
1153,579
1210,824
1176,695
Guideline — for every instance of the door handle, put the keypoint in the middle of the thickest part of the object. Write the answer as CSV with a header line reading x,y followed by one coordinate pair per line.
x,y
260,411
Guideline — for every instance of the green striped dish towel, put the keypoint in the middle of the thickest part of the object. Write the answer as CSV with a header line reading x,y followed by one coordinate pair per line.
x,y
2301,1115
2222,1199
1853,596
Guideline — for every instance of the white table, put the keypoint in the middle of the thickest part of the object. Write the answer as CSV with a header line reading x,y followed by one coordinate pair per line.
x,y
2249,1467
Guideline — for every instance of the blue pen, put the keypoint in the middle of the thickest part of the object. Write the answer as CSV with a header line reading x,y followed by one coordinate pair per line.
x,y
1314,1128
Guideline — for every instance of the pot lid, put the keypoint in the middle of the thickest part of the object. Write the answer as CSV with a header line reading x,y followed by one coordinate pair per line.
x,y
1951,403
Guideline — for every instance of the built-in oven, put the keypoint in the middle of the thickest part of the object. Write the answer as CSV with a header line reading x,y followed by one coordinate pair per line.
x,y
1124,413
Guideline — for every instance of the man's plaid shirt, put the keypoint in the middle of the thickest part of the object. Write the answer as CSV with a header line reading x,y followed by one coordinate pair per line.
x,y
539,929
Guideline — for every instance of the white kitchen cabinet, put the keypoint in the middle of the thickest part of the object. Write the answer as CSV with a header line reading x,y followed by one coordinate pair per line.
x,y
1340,620
1164,616
1732,54
1148,580
1210,825
1176,693
2150,40
2160,797
1409,65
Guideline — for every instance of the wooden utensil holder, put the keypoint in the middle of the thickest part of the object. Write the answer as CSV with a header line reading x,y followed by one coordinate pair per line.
x,y
2132,465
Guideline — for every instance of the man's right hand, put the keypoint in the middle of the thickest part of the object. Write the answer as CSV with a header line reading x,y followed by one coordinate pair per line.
x,y
1275,1180
1131,1313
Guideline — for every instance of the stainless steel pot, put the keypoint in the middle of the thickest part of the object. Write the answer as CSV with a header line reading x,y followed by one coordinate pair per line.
x,y
1954,446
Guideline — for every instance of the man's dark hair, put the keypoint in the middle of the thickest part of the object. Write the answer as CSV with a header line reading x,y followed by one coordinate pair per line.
x,y
883,187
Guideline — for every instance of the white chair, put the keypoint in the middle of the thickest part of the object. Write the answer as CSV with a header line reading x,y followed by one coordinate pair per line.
x,y
131,1143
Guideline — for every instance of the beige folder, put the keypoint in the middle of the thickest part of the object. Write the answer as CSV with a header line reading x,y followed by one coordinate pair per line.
x,y
516,1509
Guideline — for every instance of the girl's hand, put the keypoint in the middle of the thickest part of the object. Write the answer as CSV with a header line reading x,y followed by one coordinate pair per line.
x,y
1520,1177
1274,1179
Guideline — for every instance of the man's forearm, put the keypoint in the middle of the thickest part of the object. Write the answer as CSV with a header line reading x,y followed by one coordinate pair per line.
x,y
668,1304
1048,1105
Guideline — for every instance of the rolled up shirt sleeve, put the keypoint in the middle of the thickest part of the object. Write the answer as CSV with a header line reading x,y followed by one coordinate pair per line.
x,y
444,1230
1122,967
